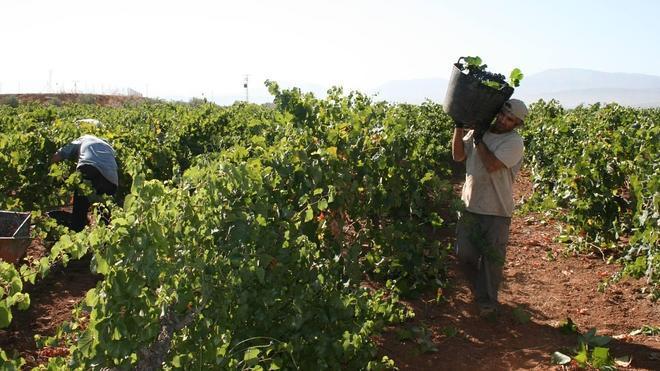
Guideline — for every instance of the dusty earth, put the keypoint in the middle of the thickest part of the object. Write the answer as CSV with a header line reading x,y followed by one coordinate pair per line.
x,y
543,287
51,301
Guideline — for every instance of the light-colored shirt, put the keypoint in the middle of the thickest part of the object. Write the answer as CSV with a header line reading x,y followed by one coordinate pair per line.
x,y
492,193
93,151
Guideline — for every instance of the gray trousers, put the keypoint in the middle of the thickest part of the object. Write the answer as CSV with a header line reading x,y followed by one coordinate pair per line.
x,y
481,249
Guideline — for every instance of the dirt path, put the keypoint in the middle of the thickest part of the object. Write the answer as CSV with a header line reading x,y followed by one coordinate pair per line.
x,y
542,288
52,301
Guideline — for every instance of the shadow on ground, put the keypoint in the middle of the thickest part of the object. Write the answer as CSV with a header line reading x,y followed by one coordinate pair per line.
x,y
449,335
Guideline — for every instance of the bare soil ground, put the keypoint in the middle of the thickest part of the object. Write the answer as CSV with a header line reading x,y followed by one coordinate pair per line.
x,y
542,288
540,282
52,300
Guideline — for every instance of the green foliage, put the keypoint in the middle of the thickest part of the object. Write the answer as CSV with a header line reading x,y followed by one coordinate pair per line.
x,y
591,339
568,327
648,330
598,165
591,352
515,77
9,100
637,268
11,286
9,364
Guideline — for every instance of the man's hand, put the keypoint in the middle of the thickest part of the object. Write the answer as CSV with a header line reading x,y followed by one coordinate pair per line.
x,y
478,136
57,157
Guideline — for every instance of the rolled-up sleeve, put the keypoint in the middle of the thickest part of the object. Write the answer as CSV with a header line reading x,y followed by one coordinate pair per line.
x,y
510,152
70,150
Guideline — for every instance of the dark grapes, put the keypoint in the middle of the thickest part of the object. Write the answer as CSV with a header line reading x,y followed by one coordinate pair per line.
x,y
484,76
478,71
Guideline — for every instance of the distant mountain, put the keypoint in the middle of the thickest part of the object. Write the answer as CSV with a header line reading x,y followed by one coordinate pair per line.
x,y
644,98
564,79
570,86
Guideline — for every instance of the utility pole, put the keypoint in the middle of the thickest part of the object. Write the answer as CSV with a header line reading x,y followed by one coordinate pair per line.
x,y
50,80
245,85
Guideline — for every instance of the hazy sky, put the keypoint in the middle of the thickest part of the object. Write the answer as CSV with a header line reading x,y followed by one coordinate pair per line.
x,y
195,47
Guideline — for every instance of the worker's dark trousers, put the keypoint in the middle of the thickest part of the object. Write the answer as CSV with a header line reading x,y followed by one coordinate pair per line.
x,y
481,249
81,202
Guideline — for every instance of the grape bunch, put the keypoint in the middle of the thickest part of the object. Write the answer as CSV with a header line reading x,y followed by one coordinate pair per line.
x,y
472,66
485,76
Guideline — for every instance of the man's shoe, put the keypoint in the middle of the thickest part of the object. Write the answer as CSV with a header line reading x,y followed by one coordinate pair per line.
x,y
488,312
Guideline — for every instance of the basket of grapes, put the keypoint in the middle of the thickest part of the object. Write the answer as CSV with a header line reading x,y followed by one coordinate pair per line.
x,y
474,95
14,235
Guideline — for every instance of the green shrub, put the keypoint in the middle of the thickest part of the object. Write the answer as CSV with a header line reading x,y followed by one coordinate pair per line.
x,y
9,100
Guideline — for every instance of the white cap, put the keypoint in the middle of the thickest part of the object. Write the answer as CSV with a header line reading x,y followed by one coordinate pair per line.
x,y
517,108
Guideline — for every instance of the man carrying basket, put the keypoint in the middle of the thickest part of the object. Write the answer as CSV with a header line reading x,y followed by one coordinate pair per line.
x,y
492,158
